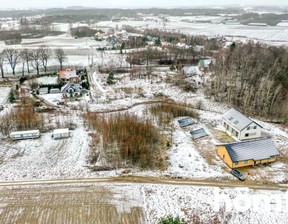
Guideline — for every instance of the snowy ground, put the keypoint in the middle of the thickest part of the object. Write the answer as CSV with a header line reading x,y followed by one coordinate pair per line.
x,y
185,156
47,80
45,158
141,203
52,99
4,93
271,35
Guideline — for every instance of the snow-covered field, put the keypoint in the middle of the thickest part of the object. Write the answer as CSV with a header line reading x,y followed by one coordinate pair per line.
x,y
45,158
271,35
141,203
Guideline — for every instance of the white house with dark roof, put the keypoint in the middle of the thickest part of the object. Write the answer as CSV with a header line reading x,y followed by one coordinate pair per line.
x,y
71,89
240,126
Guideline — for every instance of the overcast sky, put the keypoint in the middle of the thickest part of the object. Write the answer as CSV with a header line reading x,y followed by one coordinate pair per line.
x,y
131,3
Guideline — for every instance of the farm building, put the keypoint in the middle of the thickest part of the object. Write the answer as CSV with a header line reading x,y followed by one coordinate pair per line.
x,y
240,126
248,153
71,90
69,75
19,135
61,133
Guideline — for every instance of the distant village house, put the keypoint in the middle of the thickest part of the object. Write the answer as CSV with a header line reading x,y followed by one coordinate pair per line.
x,y
69,75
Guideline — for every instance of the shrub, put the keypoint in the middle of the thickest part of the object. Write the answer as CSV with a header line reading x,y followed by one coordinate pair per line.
x,y
11,97
110,78
22,79
174,110
171,220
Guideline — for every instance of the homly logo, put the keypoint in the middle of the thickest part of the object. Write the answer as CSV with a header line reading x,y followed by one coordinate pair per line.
x,y
243,202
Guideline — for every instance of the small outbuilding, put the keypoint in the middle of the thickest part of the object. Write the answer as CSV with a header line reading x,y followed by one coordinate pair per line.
x,y
43,90
61,133
248,153
20,135
205,64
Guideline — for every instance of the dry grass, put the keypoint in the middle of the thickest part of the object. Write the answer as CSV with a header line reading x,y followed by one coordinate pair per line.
x,y
138,141
207,150
166,112
21,118
222,136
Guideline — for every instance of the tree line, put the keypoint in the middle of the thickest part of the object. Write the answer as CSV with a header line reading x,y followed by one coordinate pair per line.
x,y
30,58
253,78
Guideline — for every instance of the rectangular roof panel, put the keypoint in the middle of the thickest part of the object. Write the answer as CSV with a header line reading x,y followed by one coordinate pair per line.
x,y
199,133
257,150
186,121
237,120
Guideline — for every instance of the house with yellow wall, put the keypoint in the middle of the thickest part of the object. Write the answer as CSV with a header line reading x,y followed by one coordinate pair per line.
x,y
248,153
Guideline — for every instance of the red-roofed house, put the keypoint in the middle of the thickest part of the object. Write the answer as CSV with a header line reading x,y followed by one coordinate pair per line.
x,y
69,75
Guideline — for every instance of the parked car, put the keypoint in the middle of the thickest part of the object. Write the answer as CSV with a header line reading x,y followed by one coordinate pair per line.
x,y
237,174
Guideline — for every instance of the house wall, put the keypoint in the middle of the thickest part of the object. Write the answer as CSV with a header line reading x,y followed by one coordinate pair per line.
x,y
222,152
266,160
243,164
230,130
252,133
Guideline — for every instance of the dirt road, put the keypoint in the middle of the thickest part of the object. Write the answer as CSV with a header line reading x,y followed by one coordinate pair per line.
x,y
147,180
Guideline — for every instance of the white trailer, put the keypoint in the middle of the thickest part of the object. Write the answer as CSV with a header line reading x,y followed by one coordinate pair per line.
x,y
19,135
61,133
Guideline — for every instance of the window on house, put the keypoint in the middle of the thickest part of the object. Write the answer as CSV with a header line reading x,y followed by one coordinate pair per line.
x,y
230,118
246,161
272,157
237,134
236,163
255,127
248,128
236,122
247,135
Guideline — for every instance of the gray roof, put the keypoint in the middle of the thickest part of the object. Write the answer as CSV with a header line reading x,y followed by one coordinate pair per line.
x,y
73,87
199,133
238,120
186,121
257,150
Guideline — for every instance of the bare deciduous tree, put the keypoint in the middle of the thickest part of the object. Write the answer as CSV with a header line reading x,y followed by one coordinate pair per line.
x,y
12,57
45,55
26,56
60,56
36,59
2,59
